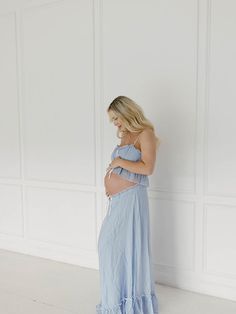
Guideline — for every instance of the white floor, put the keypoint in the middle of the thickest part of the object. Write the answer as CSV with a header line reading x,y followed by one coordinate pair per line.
x,y
32,285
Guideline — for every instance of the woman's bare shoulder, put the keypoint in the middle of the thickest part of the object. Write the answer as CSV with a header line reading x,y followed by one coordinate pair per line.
x,y
148,135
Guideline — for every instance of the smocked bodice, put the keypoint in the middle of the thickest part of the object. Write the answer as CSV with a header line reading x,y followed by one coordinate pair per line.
x,y
129,152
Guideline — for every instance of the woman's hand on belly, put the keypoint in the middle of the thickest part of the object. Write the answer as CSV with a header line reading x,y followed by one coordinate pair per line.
x,y
115,183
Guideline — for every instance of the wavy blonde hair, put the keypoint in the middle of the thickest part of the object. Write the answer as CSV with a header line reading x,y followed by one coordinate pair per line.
x,y
132,116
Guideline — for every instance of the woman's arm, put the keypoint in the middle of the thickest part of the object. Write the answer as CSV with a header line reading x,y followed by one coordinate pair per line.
x,y
148,155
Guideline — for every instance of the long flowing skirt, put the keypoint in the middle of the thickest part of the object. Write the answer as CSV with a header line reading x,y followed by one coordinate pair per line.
x,y
125,260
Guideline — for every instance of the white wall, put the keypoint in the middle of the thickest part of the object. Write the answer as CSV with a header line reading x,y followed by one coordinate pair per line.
x,y
62,62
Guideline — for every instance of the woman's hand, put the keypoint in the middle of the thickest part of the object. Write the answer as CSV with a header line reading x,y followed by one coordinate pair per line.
x,y
116,162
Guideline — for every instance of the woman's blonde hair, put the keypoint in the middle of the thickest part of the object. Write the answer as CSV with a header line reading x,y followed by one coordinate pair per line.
x,y
131,114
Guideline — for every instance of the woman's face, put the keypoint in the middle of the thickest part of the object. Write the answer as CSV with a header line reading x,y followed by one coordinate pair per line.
x,y
116,120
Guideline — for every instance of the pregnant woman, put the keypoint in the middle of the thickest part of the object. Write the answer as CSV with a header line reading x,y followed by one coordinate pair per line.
x,y
125,259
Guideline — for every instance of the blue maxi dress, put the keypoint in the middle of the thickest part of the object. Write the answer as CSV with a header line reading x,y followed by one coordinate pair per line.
x,y
125,258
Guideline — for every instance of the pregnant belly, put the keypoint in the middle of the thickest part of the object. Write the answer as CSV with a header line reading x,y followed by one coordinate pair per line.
x,y
115,183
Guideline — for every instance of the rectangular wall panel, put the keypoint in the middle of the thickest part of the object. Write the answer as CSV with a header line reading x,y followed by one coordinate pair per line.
x,y
220,235
221,142
11,213
58,92
172,233
61,217
150,55
9,119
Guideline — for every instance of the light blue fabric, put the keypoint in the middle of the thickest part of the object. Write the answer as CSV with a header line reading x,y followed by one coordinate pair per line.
x,y
125,259
129,152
